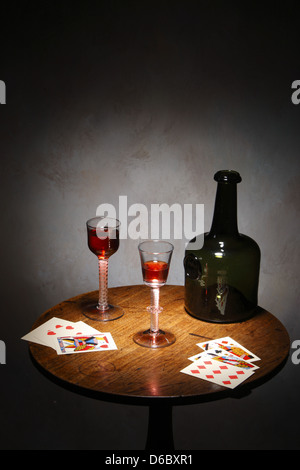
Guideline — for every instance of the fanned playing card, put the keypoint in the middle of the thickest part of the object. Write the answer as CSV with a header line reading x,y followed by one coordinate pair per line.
x,y
47,333
85,343
73,329
67,337
216,372
223,356
53,327
229,345
223,361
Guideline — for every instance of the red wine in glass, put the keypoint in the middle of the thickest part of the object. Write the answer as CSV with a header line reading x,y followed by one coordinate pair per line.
x,y
155,272
155,256
101,243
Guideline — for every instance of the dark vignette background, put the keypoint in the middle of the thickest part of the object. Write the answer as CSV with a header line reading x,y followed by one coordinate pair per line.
x,y
149,100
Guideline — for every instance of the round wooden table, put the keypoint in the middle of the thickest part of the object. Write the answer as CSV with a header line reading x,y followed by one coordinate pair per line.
x,y
142,376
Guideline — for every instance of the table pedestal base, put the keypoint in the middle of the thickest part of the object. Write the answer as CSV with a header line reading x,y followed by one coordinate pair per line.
x,y
160,428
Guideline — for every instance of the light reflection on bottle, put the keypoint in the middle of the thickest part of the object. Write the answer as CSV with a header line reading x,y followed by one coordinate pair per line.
x,y
222,291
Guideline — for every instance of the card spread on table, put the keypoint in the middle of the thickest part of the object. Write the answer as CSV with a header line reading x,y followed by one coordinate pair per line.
x,y
85,343
67,337
229,345
222,361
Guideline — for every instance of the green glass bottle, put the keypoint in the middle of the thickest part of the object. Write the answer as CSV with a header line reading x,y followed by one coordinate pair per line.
x,y
221,278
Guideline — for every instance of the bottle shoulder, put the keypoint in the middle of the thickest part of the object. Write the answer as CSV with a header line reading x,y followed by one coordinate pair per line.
x,y
249,241
227,243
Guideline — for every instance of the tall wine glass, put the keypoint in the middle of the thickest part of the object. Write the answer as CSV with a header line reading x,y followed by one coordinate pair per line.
x,y
103,241
155,258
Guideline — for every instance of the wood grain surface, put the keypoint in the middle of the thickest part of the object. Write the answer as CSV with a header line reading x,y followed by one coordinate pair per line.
x,y
136,372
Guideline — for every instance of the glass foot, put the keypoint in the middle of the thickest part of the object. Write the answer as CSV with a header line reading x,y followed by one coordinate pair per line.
x,y
94,313
154,340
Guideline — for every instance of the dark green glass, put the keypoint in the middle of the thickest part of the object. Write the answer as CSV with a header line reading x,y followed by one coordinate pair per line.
x,y
221,278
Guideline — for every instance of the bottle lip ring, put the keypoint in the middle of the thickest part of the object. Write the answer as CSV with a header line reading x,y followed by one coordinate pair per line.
x,y
227,176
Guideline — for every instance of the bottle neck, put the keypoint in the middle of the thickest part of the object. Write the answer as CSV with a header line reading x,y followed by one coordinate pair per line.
x,y
225,211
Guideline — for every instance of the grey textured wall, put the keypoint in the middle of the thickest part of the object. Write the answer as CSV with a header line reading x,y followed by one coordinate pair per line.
x,y
146,100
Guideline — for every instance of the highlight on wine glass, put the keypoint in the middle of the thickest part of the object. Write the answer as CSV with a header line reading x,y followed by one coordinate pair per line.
x,y
103,241
155,258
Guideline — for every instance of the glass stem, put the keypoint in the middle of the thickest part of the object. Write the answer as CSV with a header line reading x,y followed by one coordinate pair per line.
x,y
154,310
103,291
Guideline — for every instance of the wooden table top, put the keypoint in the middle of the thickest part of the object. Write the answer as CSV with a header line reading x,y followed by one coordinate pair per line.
x,y
133,371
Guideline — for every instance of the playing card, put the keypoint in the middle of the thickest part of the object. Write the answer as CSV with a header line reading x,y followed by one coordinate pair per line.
x,y
85,343
231,346
216,372
71,329
42,333
47,333
223,356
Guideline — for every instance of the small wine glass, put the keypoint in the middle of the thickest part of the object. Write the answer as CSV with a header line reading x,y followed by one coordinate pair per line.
x,y
103,241
155,258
